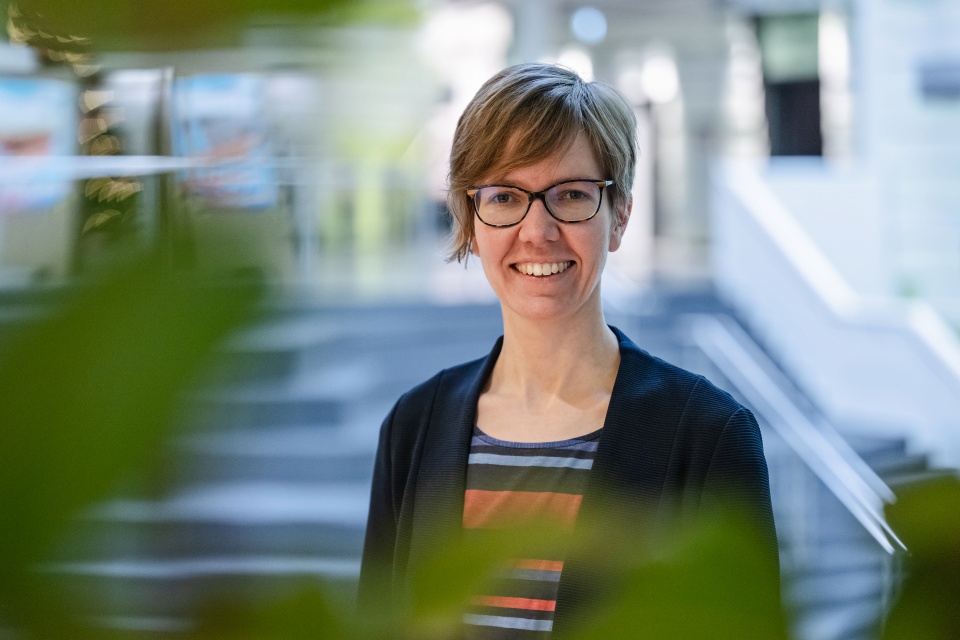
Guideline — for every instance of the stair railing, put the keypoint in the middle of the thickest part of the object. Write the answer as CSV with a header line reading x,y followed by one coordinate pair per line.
x,y
819,446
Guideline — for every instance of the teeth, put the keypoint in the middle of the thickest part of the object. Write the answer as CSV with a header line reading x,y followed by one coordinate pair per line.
x,y
541,268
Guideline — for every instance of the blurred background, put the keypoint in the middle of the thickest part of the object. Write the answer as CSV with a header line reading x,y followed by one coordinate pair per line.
x,y
795,237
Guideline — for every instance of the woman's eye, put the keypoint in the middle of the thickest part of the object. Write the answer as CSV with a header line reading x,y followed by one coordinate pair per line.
x,y
573,194
502,197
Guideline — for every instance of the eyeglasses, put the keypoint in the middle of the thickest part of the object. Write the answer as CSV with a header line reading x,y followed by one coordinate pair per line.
x,y
503,205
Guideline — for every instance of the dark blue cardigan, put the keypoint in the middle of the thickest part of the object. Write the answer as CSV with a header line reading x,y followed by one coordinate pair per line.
x,y
673,445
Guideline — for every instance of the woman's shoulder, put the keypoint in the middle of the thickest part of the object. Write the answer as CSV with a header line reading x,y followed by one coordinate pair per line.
x,y
646,375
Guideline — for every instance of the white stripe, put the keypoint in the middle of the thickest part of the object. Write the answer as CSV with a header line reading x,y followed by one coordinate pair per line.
x,y
535,574
529,461
509,623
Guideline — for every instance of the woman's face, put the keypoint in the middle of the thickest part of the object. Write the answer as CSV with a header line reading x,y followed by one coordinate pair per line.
x,y
510,254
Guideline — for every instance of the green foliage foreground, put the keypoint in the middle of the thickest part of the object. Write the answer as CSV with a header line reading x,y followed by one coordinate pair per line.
x,y
179,25
87,396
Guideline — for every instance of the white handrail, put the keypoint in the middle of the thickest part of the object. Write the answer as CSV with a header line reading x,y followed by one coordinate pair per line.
x,y
827,455
81,167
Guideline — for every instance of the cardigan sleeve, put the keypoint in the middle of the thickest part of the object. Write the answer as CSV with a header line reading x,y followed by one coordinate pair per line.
x,y
737,477
376,568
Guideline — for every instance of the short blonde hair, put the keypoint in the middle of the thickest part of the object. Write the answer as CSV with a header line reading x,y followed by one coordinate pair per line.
x,y
523,115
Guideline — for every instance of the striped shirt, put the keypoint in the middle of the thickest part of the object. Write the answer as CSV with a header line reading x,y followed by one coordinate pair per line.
x,y
522,483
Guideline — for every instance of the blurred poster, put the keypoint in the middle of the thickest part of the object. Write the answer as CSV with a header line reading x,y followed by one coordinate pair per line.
x,y
221,121
37,124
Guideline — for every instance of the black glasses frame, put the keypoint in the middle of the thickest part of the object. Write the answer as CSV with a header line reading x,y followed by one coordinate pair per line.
x,y
533,195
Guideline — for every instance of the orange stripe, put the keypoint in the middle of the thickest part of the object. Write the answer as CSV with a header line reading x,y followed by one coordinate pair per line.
x,y
539,565
515,603
496,509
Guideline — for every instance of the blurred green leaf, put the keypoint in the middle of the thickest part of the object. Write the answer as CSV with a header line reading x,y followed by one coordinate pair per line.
x,y
926,516
712,581
87,395
126,25
306,615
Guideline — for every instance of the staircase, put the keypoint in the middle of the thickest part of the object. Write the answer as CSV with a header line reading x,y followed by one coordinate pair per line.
x,y
271,481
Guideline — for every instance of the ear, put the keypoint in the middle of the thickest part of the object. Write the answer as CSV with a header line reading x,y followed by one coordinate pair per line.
x,y
473,246
621,216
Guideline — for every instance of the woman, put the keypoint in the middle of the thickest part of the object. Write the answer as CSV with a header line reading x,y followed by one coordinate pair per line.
x,y
566,417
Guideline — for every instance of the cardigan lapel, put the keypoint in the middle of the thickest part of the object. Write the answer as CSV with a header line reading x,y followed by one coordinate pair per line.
x,y
633,452
628,474
442,477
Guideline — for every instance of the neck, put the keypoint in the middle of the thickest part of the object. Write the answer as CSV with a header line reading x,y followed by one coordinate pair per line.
x,y
570,360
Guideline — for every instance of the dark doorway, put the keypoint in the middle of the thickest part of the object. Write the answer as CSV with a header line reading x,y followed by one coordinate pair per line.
x,y
793,115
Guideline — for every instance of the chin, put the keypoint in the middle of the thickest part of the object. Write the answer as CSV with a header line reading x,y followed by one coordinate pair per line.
x,y
538,311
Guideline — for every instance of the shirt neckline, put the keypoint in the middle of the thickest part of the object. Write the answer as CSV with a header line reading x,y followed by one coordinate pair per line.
x,y
555,444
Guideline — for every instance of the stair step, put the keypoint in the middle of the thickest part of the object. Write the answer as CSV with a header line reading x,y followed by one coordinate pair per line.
x,y
248,503
846,621
872,447
300,340
130,591
806,591
172,540
833,557
241,518
215,468
891,467
902,480
165,568
246,413
320,398
281,454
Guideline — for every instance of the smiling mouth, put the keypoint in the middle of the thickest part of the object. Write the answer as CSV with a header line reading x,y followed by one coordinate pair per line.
x,y
541,269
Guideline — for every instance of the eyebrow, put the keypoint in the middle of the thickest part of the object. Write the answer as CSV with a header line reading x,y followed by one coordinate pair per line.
x,y
504,182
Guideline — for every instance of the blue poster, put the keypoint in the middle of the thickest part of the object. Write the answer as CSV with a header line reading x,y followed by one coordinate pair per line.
x,y
220,121
38,126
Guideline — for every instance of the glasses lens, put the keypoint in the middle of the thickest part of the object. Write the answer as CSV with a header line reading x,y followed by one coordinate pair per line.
x,y
501,205
574,201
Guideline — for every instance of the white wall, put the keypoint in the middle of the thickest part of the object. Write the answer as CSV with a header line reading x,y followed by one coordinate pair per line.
x,y
912,141
884,368
840,208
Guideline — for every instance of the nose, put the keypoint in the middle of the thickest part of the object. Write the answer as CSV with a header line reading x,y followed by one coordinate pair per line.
x,y
539,226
